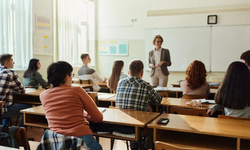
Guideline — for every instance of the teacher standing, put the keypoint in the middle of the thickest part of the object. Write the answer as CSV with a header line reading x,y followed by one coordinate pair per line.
x,y
159,60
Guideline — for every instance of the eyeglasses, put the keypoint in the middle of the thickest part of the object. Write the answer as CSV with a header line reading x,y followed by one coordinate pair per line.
x,y
72,74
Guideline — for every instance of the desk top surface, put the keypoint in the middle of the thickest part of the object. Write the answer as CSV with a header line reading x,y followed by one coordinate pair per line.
x,y
205,125
113,116
179,102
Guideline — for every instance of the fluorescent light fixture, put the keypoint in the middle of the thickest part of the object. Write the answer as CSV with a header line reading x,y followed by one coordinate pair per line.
x,y
210,9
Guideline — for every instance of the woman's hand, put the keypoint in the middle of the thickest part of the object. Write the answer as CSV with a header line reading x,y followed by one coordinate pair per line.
x,y
209,112
152,66
161,63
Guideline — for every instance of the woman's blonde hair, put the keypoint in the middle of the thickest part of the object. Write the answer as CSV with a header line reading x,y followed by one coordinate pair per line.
x,y
157,36
196,74
115,74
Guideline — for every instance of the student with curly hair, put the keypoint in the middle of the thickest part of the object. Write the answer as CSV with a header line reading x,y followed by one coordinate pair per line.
x,y
246,58
233,94
195,82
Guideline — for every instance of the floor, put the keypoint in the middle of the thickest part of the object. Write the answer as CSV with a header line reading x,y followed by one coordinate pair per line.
x,y
37,134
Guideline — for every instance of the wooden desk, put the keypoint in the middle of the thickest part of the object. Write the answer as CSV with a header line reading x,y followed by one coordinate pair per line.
x,y
180,102
102,84
177,90
210,86
36,117
203,132
111,100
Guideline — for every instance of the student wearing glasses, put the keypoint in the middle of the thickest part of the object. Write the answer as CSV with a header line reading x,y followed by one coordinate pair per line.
x,y
159,60
69,108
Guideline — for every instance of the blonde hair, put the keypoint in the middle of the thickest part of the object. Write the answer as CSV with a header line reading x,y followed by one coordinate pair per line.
x,y
157,36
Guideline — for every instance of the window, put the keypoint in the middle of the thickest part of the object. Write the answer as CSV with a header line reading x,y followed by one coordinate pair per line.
x,y
75,30
16,30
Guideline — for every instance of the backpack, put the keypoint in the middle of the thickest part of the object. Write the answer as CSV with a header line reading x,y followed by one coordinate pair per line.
x,y
7,136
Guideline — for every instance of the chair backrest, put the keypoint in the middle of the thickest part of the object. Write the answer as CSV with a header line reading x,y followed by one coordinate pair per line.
x,y
22,138
231,117
185,111
86,81
215,79
94,96
166,146
164,94
194,96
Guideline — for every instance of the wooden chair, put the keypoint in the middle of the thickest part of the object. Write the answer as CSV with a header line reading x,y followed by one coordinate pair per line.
x,y
94,96
166,146
185,111
231,117
194,96
85,81
164,94
22,139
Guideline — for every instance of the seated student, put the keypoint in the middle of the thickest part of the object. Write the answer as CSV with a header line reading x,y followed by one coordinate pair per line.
x,y
32,77
195,81
246,58
10,84
86,73
234,93
64,106
135,93
116,74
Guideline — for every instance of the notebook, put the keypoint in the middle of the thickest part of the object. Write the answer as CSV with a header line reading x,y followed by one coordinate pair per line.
x,y
105,96
206,101
101,109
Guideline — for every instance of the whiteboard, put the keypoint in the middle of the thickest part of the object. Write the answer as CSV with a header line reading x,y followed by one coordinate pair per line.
x,y
185,45
228,43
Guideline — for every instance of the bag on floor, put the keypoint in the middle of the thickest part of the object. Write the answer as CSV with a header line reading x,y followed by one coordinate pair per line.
x,y
7,136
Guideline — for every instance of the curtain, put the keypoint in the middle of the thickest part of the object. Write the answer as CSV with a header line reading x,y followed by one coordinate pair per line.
x,y
16,30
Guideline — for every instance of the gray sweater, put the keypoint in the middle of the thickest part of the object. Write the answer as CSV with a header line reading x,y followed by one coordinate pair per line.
x,y
34,81
244,113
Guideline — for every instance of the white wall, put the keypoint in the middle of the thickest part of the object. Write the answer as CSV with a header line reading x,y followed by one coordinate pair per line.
x,y
114,22
42,8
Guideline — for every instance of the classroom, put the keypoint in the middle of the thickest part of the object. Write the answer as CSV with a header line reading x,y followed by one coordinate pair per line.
x,y
88,34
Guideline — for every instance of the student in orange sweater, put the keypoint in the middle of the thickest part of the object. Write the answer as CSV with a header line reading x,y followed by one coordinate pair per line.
x,y
64,106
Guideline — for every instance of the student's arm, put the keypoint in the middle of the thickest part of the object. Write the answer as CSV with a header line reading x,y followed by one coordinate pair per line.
x,y
40,79
16,84
90,107
214,109
154,97
98,78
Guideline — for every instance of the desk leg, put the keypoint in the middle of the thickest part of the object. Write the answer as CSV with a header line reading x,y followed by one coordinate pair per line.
x,y
238,143
157,108
112,143
112,104
140,140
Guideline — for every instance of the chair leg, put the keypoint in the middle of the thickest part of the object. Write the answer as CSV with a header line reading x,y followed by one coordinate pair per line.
x,y
127,145
17,119
112,143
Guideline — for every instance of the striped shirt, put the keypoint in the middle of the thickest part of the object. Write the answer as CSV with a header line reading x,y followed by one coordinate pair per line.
x,y
135,93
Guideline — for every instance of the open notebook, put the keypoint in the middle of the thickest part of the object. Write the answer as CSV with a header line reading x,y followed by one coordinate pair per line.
x,y
105,96
101,109
206,101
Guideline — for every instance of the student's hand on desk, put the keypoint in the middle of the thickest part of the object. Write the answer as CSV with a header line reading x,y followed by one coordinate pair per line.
x,y
209,112
86,115
152,66
105,79
161,63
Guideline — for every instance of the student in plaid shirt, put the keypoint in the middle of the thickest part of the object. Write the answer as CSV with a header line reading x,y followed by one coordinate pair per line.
x,y
10,84
135,93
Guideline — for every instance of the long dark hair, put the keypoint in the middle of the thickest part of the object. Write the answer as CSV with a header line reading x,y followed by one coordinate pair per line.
x,y
234,92
115,74
57,72
31,69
